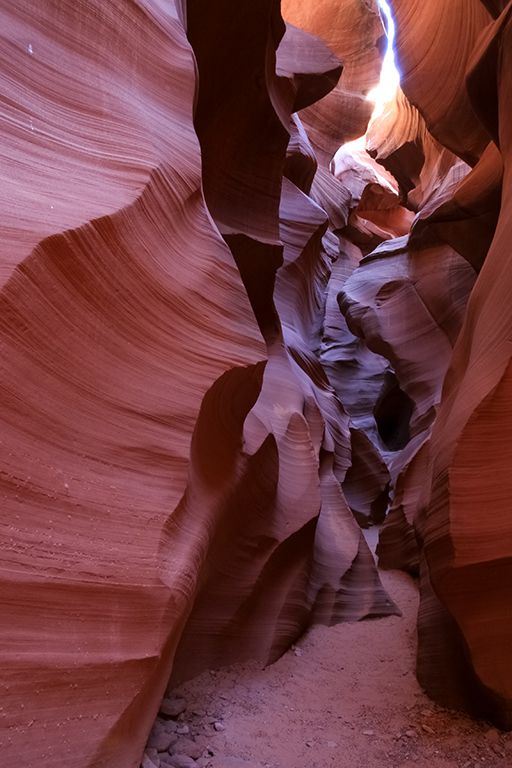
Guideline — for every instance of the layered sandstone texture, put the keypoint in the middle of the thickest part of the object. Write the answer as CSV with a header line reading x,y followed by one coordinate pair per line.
x,y
465,525
121,305
172,450
453,483
223,353
424,330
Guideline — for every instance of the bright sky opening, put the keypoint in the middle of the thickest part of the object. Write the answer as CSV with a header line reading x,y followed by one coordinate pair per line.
x,y
389,78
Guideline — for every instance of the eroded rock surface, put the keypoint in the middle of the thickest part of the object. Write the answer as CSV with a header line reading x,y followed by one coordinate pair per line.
x,y
192,431
123,310
434,43
468,545
172,450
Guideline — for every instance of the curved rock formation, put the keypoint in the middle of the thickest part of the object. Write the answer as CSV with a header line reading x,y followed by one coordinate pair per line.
x,y
378,216
367,483
111,333
466,215
431,287
398,547
433,71
190,430
169,438
466,525
301,552
495,7
353,30
399,140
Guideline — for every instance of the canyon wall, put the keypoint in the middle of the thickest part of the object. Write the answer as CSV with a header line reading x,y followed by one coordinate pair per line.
x,y
172,451
225,352
449,519
465,524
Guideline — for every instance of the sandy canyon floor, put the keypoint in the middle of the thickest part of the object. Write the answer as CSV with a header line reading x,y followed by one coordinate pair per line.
x,y
343,697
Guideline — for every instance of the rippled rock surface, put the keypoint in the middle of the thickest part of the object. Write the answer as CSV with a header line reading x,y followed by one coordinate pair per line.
x,y
172,451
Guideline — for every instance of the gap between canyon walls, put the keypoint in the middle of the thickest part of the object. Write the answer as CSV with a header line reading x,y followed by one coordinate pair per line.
x,y
286,550
223,354
447,185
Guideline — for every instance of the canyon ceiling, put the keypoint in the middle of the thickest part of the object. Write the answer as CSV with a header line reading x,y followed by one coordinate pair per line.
x,y
224,353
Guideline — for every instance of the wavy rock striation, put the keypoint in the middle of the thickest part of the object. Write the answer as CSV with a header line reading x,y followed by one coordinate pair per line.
x,y
465,217
192,432
123,310
171,448
399,140
465,526
449,516
390,285
433,70
286,550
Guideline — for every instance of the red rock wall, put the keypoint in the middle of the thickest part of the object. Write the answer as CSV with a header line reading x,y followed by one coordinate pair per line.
x,y
171,449
354,32
121,305
282,520
407,302
434,42
460,508
466,526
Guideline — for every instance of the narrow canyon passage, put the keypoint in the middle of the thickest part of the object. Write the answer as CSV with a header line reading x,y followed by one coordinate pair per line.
x,y
247,322
342,697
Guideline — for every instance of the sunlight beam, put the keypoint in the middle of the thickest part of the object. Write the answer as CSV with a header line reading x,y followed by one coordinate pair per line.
x,y
389,77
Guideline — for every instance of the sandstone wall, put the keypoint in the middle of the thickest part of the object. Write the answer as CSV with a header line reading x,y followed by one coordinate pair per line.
x,y
223,354
172,451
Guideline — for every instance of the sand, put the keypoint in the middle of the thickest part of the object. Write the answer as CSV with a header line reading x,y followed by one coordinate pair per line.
x,y
343,697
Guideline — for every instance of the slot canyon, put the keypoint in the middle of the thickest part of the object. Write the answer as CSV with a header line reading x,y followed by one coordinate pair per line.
x,y
252,326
